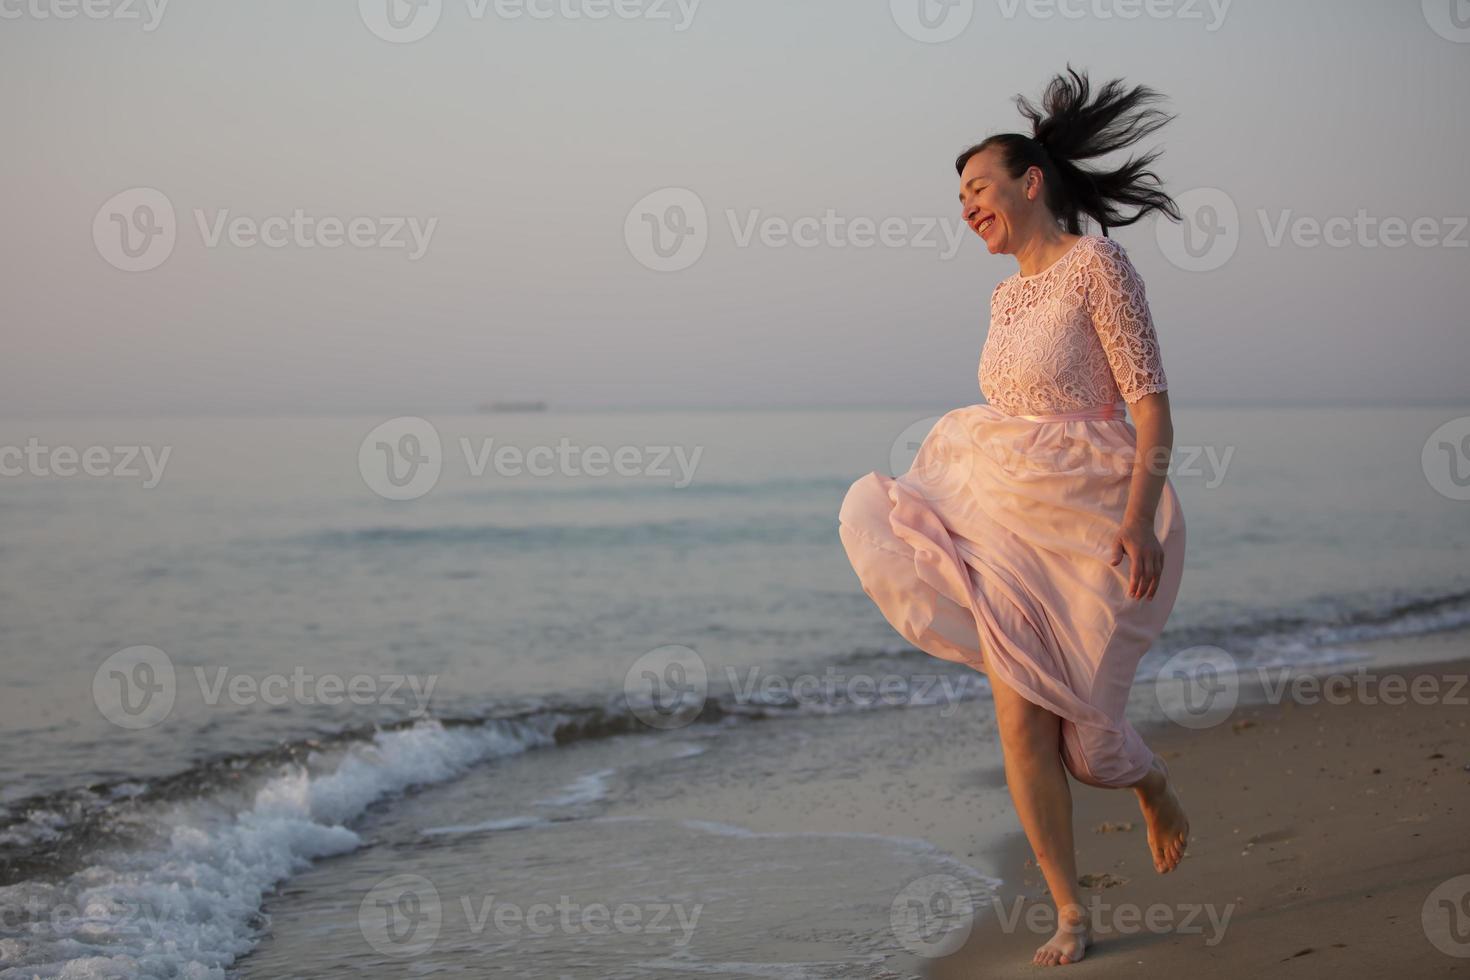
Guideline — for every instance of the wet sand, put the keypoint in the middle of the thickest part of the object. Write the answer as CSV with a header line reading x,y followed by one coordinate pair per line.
x,y
1320,834
867,845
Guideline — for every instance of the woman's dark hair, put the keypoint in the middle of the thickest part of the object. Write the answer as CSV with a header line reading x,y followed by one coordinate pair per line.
x,y
1071,129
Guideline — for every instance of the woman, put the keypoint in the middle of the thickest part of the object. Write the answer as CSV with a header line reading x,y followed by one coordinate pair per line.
x,y
1003,546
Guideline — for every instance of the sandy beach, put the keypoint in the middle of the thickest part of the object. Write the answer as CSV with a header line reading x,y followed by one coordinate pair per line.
x,y
1320,831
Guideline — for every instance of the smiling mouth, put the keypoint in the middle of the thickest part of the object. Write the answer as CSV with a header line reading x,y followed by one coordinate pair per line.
x,y
982,225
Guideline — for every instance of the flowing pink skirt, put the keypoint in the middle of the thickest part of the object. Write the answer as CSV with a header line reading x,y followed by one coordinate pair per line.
x,y
993,550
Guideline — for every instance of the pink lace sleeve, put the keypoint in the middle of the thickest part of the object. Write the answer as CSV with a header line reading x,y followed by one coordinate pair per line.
x,y
1120,314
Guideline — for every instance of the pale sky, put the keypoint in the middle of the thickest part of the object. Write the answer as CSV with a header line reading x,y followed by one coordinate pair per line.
x,y
520,147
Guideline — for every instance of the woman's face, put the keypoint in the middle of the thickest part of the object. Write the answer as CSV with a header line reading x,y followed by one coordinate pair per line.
x,y
994,205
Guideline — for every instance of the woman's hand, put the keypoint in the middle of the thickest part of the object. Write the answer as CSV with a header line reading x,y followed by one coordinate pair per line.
x,y
1145,557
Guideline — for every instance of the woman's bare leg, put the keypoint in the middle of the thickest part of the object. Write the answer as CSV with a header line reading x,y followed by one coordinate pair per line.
x,y
1031,742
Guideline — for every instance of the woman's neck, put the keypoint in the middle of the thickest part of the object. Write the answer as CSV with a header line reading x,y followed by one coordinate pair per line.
x,y
1043,250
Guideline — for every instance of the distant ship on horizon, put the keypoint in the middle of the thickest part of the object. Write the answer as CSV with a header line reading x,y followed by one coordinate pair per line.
x,y
513,406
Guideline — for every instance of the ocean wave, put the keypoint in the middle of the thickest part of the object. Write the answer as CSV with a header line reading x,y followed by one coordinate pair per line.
x,y
1325,623
685,532
167,876
184,899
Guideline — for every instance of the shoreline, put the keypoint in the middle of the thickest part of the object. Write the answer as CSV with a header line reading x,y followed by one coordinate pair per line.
x,y
1322,819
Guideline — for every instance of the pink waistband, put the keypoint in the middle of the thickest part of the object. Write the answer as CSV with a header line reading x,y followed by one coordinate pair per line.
x,y
1108,410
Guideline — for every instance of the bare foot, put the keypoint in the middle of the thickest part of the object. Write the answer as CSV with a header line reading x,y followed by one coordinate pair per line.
x,y
1168,827
1070,942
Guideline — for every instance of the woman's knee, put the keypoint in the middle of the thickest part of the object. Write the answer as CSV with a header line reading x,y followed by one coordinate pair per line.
x,y
1026,728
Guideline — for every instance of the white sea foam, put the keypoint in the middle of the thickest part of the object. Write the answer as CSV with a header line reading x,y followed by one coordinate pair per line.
x,y
584,789
505,823
189,906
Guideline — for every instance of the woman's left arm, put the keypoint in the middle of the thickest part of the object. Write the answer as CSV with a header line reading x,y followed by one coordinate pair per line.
x,y
1136,537
1118,303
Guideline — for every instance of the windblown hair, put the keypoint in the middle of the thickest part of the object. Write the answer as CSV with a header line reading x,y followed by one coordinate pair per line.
x,y
1069,128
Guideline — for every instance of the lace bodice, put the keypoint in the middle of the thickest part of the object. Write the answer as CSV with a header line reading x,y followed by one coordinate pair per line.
x,y
1076,334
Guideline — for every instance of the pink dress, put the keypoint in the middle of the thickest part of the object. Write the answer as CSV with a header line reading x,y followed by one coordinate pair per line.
x,y
993,549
